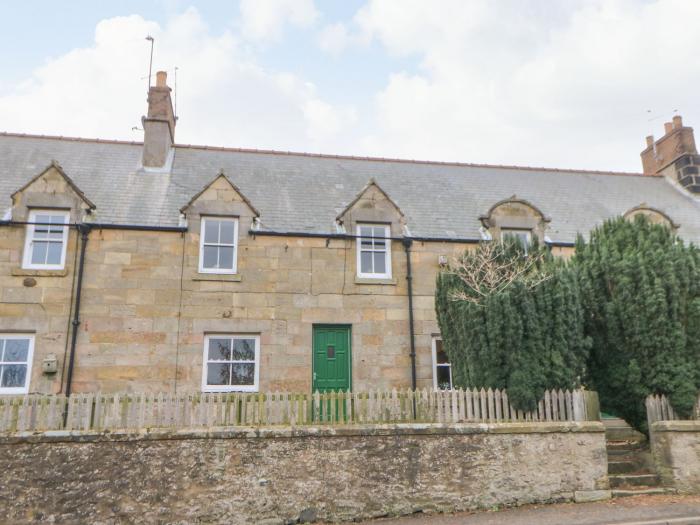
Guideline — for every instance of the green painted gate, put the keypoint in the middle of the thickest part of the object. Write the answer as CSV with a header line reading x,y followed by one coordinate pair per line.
x,y
332,358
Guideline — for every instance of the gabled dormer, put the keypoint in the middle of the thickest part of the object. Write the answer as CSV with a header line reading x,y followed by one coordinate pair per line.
x,y
48,204
218,217
374,219
51,189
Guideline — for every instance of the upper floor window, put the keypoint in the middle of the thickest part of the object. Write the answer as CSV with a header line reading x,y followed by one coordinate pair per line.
x,y
231,363
15,363
217,245
374,251
524,237
442,369
47,237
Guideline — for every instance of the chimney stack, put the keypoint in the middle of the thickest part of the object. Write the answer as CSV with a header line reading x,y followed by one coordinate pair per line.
x,y
158,125
674,155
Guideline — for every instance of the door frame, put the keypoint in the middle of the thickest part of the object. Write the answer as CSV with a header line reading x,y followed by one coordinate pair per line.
x,y
313,344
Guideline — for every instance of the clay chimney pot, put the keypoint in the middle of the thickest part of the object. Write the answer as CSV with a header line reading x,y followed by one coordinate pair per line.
x,y
677,122
668,127
650,140
161,78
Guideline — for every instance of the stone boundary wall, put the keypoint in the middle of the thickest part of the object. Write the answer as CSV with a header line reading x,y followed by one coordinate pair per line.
x,y
675,446
276,475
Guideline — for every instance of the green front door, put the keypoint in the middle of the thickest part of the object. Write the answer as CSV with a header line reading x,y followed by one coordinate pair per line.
x,y
331,358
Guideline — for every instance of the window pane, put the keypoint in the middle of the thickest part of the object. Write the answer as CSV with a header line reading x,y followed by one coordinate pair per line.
x,y
218,374
366,262
379,262
211,231
226,257
14,375
40,230
226,232
441,357
244,349
16,350
39,250
54,253
365,231
443,377
210,256
243,374
379,244
56,233
379,231
219,349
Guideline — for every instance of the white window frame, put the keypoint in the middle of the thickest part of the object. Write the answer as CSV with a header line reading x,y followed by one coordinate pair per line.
x,y
518,231
29,240
387,251
30,358
203,221
231,388
436,365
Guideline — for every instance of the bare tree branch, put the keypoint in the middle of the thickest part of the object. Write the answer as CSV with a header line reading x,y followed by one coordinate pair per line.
x,y
491,269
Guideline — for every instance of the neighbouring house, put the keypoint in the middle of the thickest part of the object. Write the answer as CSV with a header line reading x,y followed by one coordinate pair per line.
x,y
155,266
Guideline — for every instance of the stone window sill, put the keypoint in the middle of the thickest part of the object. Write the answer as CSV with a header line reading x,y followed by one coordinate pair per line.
x,y
218,277
365,280
22,272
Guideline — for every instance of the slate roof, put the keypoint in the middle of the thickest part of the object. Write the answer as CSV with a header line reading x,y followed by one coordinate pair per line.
x,y
297,192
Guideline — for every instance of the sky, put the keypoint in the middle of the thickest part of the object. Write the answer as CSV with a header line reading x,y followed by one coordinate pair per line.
x,y
566,83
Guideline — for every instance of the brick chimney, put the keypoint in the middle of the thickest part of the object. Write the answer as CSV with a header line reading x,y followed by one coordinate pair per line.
x,y
159,125
674,155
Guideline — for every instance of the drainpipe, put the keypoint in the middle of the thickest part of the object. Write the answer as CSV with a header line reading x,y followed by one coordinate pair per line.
x,y
409,279
84,230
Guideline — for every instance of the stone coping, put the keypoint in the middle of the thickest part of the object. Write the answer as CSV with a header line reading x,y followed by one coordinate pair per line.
x,y
277,432
676,426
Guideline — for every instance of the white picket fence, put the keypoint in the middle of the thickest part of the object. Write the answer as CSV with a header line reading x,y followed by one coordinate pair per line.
x,y
195,410
659,409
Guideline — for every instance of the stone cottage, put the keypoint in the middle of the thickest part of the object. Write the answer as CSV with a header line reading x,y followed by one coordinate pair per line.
x,y
162,267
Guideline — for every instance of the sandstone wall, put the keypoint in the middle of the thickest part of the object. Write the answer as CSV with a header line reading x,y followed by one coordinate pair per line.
x,y
272,475
144,316
675,447
146,308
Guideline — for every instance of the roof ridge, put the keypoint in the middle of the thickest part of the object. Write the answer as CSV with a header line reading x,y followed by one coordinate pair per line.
x,y
332,156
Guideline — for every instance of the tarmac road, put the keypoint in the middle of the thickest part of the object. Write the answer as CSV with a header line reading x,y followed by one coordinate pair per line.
x,y
638,510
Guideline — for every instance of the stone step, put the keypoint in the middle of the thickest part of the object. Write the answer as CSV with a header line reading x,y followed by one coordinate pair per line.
x,y
624,446
633,480
639,491
620,454
617,429
623,467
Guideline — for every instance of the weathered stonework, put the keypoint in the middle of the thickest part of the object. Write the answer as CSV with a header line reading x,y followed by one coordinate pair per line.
x,y
270,475
146,308
675,447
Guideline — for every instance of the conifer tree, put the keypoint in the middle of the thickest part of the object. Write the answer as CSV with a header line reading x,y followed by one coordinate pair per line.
x,y
641,292
511,319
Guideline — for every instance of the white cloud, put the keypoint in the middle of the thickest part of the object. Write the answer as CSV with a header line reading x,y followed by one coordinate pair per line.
x,y
263,20
541,83
335,38
224,97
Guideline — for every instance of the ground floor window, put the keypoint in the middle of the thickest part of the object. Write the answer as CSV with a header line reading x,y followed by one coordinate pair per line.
x,y
231,363
442,369
15,363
